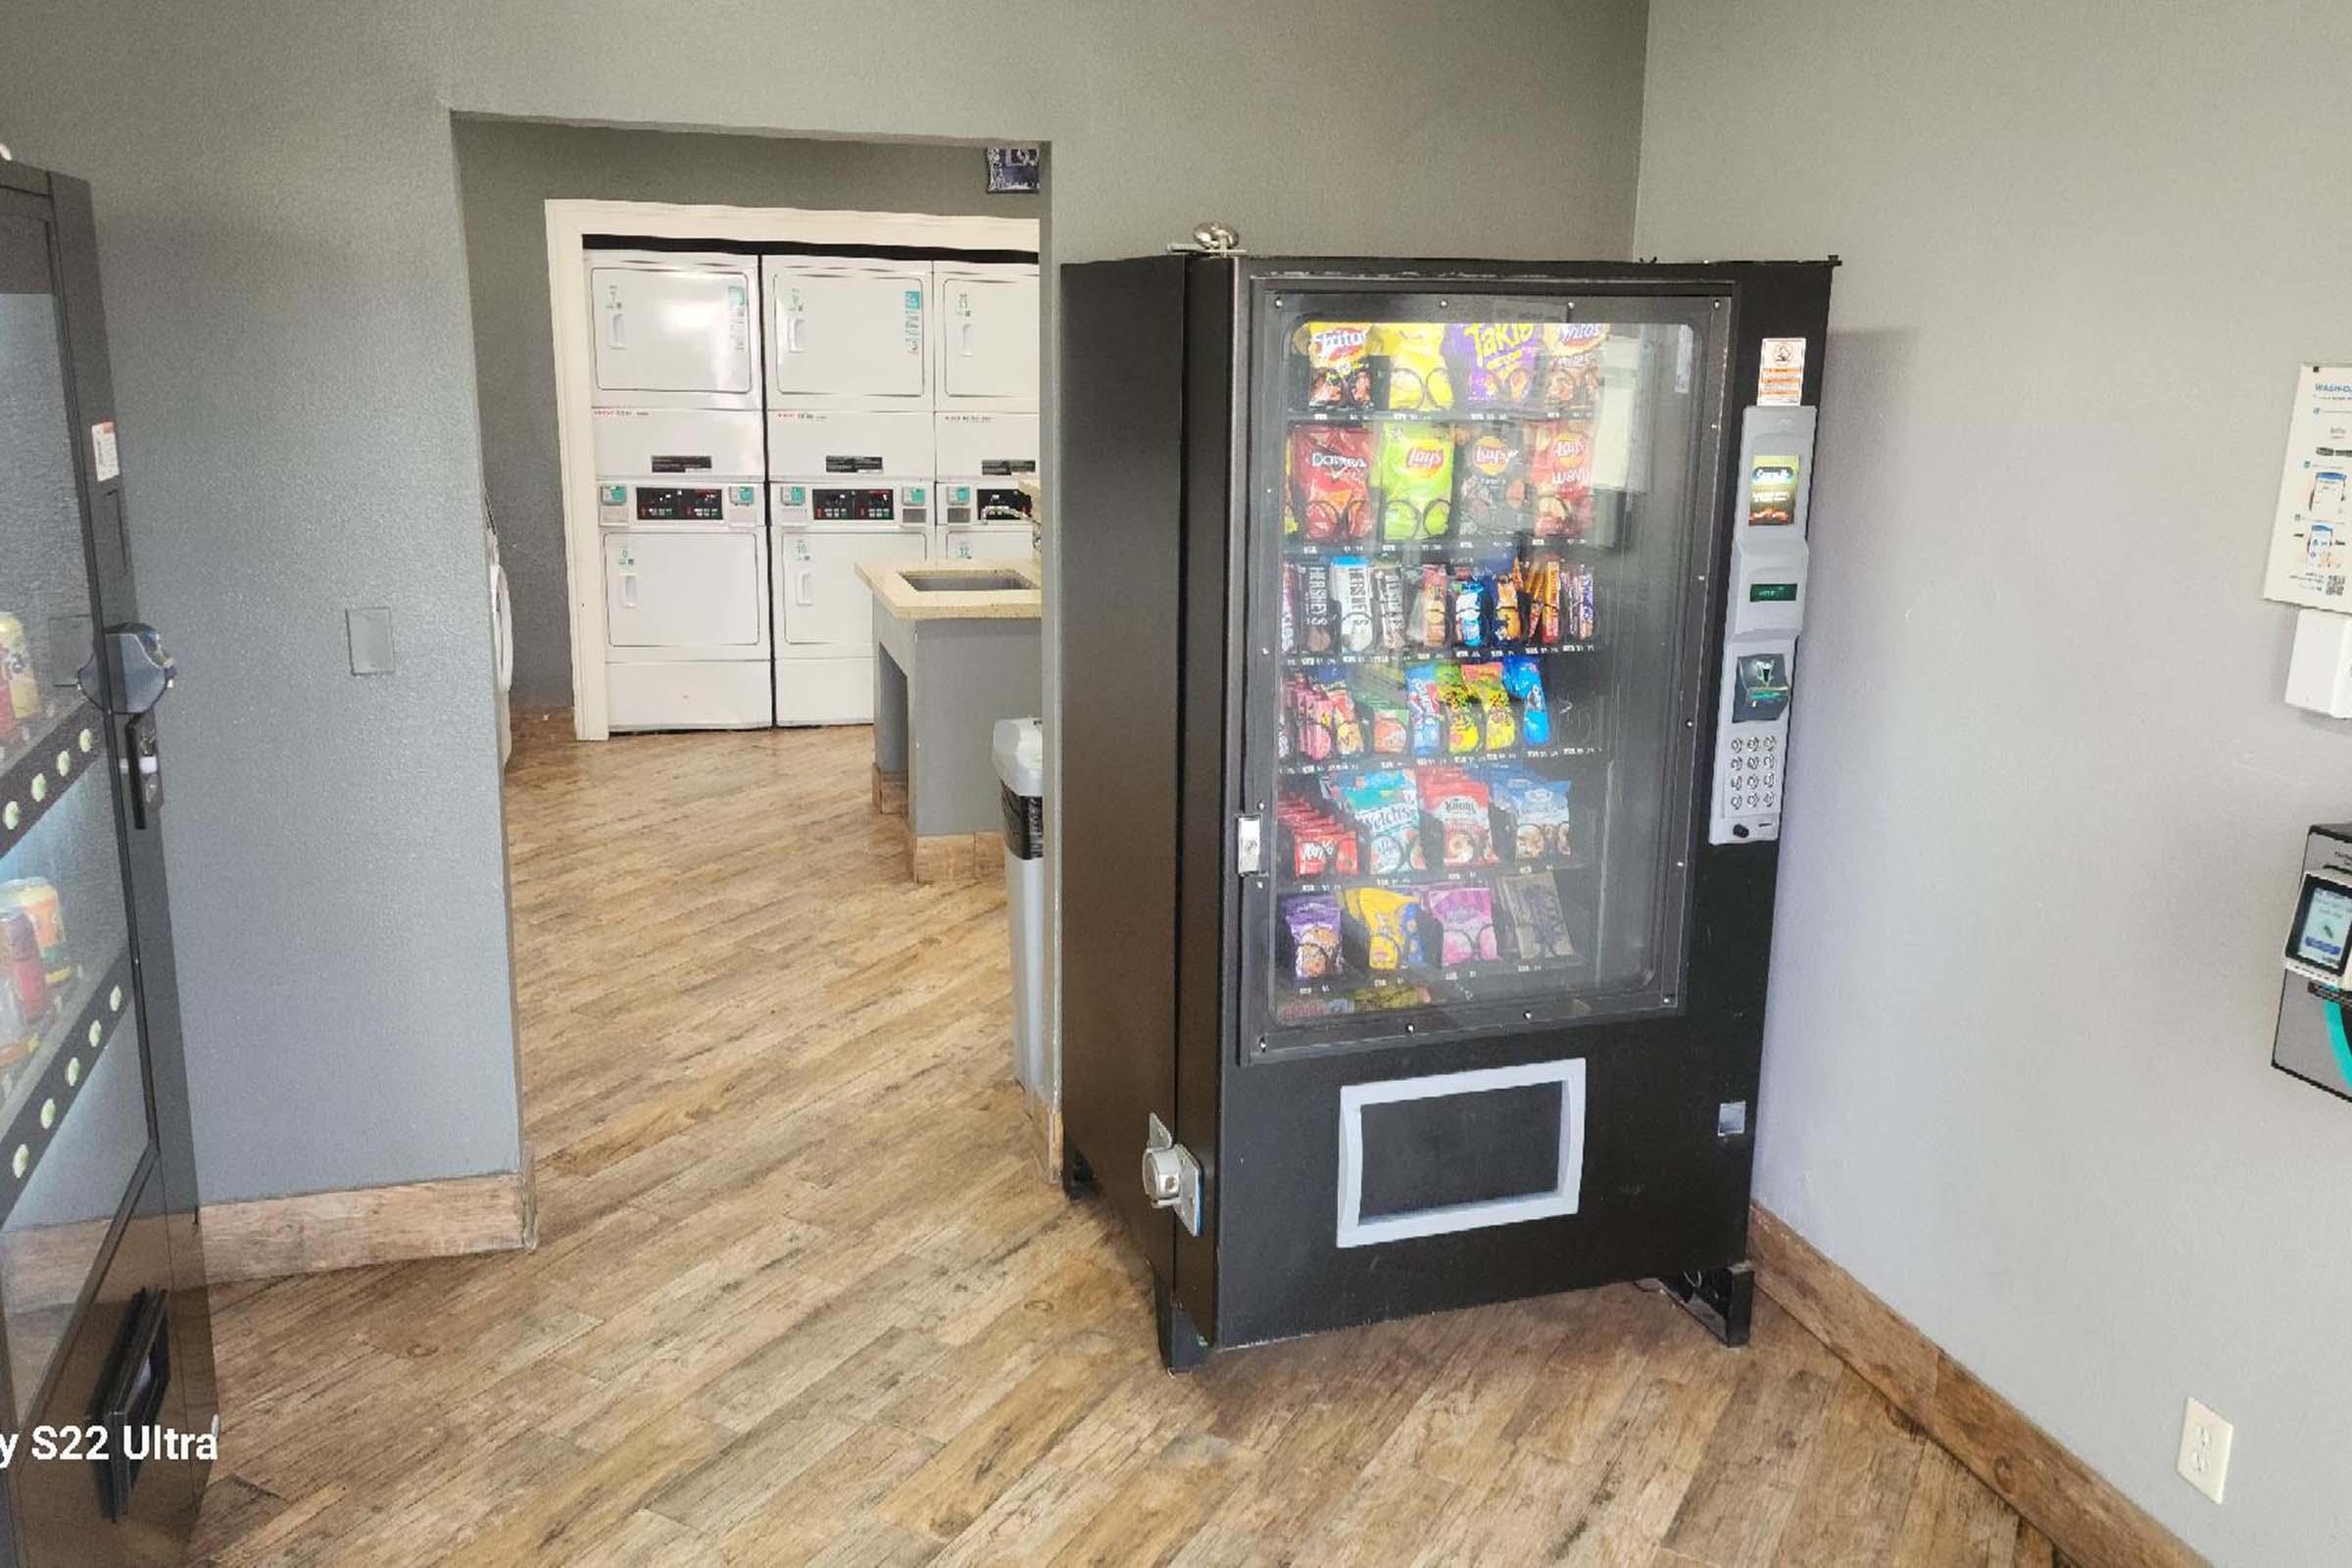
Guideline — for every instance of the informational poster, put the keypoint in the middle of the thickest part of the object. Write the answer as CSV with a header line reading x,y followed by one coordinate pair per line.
x,y
2310,555
1781,377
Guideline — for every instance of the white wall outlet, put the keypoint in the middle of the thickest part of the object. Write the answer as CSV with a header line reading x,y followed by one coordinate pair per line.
x,y
2204,1449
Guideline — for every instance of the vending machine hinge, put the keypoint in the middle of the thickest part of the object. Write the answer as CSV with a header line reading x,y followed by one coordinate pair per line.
x,y
1171,1175
1249,846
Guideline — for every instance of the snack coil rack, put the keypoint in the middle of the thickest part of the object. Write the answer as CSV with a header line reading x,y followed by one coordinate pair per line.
x,y
1448,876
1375,761
42,1088
1452,654
36,771
1445,549
1460,974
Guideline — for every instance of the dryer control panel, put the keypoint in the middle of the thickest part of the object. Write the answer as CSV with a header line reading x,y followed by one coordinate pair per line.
x,y
802,502
1766,609
970,504
628,504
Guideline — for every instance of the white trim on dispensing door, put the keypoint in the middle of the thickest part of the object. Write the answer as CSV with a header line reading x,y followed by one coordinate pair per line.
x,y
1560,1199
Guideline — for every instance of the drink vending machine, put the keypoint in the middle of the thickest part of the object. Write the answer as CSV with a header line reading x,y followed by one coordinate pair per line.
x,y
1432,629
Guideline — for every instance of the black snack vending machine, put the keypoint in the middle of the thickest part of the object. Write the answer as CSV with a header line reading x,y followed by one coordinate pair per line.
x,y
1430,636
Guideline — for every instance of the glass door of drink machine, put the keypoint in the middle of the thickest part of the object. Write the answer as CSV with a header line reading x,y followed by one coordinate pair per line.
x,y
1479,534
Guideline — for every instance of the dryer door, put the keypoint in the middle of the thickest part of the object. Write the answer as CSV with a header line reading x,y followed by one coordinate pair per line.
x,y
850,332
683,589
686,329
989,348
823,600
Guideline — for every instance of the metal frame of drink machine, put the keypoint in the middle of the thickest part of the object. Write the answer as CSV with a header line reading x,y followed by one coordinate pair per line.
x,y
106,1319
1246,1155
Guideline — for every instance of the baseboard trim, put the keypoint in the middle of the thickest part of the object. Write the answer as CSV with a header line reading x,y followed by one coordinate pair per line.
x,y
2089,1521
269,1237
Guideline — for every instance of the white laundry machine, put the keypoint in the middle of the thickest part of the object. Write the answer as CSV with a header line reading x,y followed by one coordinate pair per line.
x,y
502,645
846,485
681,507
674,329
988,336
682,520
985,510
848,332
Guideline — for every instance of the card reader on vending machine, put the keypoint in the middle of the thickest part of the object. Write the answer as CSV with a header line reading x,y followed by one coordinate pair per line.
x,y
1767,607
2311,1041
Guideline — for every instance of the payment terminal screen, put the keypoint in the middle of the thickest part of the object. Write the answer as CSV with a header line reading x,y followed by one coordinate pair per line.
x,y
2326,928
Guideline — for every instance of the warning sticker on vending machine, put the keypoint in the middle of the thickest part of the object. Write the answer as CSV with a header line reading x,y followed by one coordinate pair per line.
x,y
1781,377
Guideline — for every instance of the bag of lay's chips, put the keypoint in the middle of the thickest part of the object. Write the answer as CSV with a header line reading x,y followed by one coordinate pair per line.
x,y
1333,357
1490,476
1494,363
1415,475
1409,366
1559,477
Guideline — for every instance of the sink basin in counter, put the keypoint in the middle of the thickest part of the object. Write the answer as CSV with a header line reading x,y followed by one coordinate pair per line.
x,y
925,581
975,590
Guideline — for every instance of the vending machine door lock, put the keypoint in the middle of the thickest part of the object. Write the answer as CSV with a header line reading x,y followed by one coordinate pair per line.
x,y
1171,1175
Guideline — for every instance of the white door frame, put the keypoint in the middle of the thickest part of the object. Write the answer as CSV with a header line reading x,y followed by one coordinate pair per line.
x,y
568,224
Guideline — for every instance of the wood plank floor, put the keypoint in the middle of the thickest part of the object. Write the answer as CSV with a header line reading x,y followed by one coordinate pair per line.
x,y
800,1296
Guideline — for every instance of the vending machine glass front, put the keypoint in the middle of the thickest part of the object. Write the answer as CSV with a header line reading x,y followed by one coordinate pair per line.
x,y
1479,531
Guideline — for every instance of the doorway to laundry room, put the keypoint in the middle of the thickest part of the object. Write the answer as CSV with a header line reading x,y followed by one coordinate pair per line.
x,y
760,430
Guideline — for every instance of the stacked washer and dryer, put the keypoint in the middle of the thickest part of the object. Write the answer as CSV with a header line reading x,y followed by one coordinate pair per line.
x,y
895,431
986,424
678,489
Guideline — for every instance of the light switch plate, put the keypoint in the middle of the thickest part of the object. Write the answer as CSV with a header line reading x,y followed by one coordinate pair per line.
x,y
2204,1449
371,634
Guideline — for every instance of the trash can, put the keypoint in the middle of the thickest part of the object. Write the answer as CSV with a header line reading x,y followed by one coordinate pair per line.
x,y
1020,752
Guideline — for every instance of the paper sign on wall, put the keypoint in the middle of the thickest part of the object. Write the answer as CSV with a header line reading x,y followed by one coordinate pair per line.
x,y
2310,553
106,459
1781,377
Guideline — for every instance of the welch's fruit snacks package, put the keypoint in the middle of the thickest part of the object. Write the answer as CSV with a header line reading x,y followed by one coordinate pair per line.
x,y
1385,808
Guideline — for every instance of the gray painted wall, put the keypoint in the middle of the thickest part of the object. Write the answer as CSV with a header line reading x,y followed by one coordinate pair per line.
x,y
507,171
278,206
2046,806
